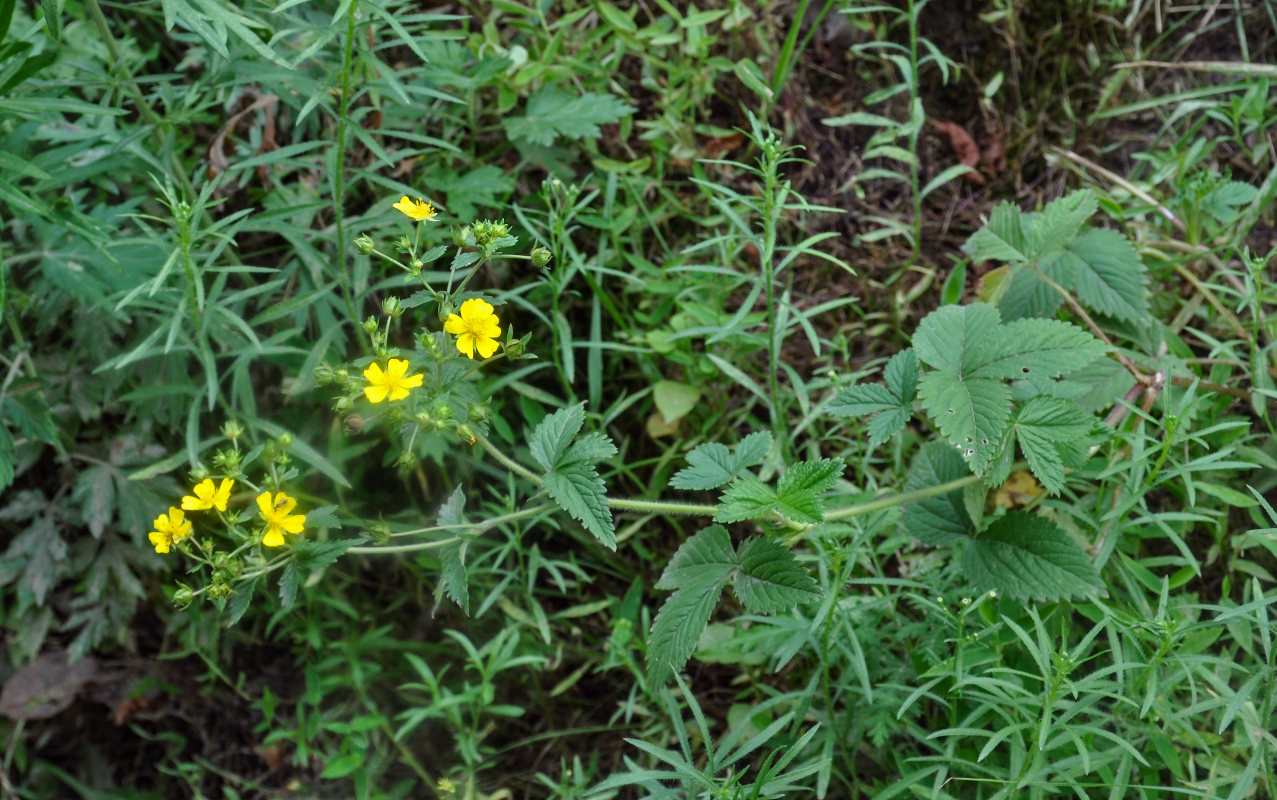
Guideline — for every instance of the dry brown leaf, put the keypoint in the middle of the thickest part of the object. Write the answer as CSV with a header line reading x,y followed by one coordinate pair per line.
x,y
46,686
995,150
964,146
217,161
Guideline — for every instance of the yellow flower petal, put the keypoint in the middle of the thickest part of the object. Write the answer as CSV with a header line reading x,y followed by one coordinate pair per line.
x,y
273,538
465,343
375,394
486,346
455,325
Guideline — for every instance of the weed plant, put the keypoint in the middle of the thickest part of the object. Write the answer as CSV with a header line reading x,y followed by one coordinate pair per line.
x,y
396,404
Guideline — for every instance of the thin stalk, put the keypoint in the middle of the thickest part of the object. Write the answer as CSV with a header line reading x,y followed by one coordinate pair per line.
x,y
339,177
914,129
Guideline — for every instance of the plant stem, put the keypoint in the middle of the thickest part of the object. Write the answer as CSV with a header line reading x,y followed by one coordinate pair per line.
x,y
883,503
339,174
506,461
661,507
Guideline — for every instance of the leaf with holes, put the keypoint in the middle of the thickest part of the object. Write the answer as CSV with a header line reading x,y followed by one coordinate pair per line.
x,y
972,413
1039,348
1025,556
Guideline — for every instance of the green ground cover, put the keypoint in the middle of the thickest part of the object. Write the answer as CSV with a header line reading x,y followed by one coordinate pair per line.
x,y
591,399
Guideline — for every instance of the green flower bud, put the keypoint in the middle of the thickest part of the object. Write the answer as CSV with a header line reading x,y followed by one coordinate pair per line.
x,y
231,430
286,439
540,256
323,374
199,473
342,376
466,433
514,348
371,325
364,244
380,533
183,596
403,244
463,236
423,418
406,460
343,405
392,307
479,412
219,591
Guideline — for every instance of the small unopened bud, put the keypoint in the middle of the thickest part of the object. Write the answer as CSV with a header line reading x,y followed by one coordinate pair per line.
x,y
392,307
407,460
199,473
343,405
231,430
323,375
341,376
463,236
514,348
183,596
380,533
422,418
540,256
286,439
364,244
219,591
403,244
466,433
371,325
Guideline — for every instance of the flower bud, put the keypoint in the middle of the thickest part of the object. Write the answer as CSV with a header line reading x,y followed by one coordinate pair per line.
x,y
514,348
199,473
403,244
466,433
423,418
540,256
371,325
231,430
286,439
392,306
183,596
364,244
463,236
380,533
343,405
219,591
342,376
323,376
406,461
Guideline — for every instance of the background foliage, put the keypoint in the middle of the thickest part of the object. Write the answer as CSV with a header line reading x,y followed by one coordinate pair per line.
x,y
958,318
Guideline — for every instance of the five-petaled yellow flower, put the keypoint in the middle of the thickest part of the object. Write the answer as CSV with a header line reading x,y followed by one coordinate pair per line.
x,y
169,528
394,381
207,497
276,513
477,327
419,210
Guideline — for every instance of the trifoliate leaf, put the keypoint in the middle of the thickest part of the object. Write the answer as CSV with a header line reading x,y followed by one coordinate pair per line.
x,y
706,556
553,112
1108,274
972,413
942,519
317,555
678,627
455,582
1034,348
579,490
1059,222
1048,430
959,339
893,403
711,465
1002,239
1026,556
746,498
770,579
551,438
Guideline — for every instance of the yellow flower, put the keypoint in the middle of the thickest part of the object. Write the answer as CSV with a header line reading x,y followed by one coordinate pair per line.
x,y
394,381
420,210
275,511
169,528
477,327
207,497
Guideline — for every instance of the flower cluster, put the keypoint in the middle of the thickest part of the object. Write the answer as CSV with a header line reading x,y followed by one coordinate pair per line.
x,y
173,527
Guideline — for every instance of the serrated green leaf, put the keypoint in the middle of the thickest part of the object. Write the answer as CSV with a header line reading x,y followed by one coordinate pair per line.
x,y
747,498
95,491
942,519
864,398
241,599
552,113
1108,274
892,403
591,448
1002,239
706,556
323,517
1038,348
711,465
450,511
901,376
317,555
972,413
678,627
289,580
579,490
799,489
770,579
1025,556
7,458
959,339
455,581
552,437
885,425
1045,428
1059,222
1027,295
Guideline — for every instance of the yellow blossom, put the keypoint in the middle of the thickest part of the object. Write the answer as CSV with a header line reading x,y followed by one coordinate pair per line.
x,y
169,528
393,381
419,210
207,497
476,327
276,513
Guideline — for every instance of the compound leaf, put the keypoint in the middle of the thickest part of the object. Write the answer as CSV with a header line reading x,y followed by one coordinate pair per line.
x,y
958,339
1049,430
1108,274
799,489
1002,239
770,579
1060,221
747,498
1025,556
711,465
552,113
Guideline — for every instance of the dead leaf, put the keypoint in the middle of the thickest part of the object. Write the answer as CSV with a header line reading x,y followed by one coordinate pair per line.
x,y
46,686
964,146
995,150
1019,489
718,146
217,160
